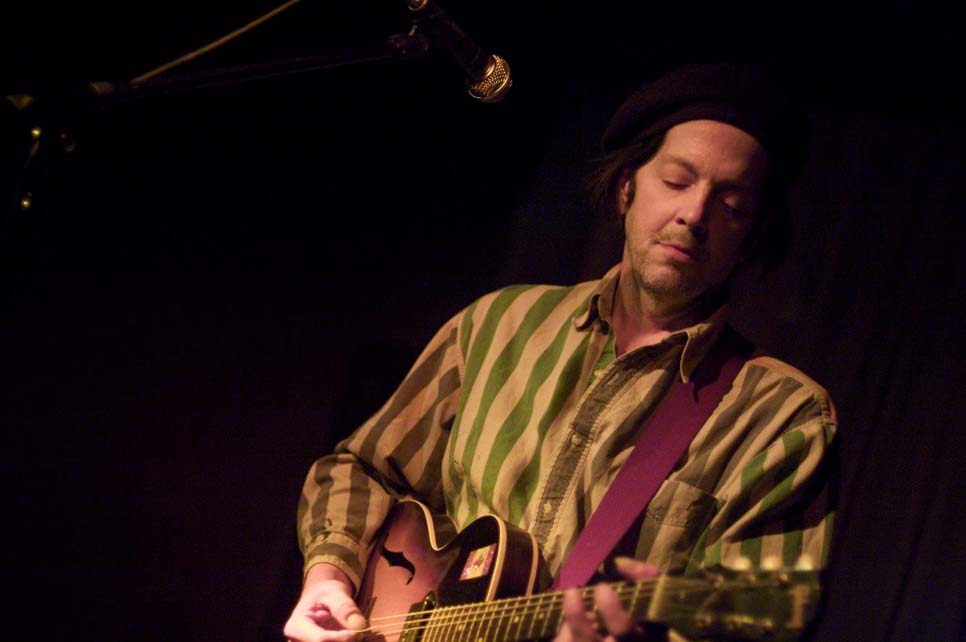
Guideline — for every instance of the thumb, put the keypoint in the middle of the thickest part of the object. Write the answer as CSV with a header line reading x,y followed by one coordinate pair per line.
x,y
346,612
632,569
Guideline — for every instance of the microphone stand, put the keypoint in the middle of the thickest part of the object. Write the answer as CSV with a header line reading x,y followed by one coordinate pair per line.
x,y
396,47
54,110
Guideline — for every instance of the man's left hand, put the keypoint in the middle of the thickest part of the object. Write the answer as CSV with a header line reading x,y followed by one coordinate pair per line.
x,y
614,623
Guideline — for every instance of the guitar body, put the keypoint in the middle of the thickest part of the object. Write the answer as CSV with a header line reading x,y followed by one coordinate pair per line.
x,y
419,559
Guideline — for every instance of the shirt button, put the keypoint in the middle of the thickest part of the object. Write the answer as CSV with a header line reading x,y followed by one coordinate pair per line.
x,y
547,507
576,440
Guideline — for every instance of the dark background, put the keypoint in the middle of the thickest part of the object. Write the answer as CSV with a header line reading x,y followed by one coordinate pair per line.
x,y
215,286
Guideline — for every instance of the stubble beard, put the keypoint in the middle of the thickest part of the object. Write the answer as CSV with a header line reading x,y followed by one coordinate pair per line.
x,y
677,288
665,282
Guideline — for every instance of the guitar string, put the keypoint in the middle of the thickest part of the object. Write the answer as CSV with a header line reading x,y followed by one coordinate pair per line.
x,y
429,627
435,621
622,588
508,603
448,615
671,611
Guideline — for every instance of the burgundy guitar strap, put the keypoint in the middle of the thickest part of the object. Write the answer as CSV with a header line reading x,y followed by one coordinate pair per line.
x,y
660,446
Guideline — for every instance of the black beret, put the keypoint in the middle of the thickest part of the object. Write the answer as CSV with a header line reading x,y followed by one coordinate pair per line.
x,y
735,94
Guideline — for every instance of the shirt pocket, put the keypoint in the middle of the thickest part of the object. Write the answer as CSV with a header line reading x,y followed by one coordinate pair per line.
x,y
681,505
673,523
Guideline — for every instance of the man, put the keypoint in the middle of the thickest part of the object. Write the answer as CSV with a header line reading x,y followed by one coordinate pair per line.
x,y
527,403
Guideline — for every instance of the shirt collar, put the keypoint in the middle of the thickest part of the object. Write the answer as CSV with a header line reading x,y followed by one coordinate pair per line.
x,y
698,338
601,302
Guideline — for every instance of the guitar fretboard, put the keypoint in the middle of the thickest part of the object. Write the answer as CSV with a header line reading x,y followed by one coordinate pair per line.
x,y
518,619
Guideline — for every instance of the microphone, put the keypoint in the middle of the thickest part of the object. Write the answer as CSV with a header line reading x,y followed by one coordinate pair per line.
x,y
487,75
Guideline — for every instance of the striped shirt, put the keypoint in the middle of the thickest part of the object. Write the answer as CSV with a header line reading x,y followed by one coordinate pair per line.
x,y
519,407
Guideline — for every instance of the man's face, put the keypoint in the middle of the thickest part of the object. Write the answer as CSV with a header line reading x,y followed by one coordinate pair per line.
x,y
690,210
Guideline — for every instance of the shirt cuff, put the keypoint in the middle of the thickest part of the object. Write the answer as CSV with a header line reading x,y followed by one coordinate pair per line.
x,y
340,550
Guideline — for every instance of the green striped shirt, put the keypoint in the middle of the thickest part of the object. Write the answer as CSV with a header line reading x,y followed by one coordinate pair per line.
x,y
519,408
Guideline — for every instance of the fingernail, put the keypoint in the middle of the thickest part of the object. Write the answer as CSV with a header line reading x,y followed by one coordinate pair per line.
x,y
356,621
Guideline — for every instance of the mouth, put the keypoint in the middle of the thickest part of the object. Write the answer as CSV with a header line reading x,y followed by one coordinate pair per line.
x,y
679,251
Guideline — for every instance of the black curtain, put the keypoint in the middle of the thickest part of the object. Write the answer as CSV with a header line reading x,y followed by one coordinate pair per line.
x,y
212,288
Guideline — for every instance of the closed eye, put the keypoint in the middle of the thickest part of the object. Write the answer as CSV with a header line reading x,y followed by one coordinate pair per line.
x,y
736,212
675,186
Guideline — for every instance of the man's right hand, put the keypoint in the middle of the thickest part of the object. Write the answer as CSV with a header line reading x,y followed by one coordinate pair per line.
x,y
325,611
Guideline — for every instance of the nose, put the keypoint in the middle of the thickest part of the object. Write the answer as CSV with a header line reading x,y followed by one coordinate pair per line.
x,y
694,211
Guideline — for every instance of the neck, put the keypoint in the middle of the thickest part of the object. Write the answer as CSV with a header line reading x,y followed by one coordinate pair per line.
x,y
641,317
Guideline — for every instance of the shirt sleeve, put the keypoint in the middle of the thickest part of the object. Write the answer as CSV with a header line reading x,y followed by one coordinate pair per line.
x,y
397,452
778,505
756,486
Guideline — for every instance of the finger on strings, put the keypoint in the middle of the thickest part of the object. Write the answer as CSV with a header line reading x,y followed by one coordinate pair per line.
x,y
613,616
581,624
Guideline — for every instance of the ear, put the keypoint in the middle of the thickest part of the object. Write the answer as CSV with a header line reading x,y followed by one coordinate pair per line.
x,y
626,193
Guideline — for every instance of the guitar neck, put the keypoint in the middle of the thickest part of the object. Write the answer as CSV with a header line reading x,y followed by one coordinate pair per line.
x,y
522,619
693,606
